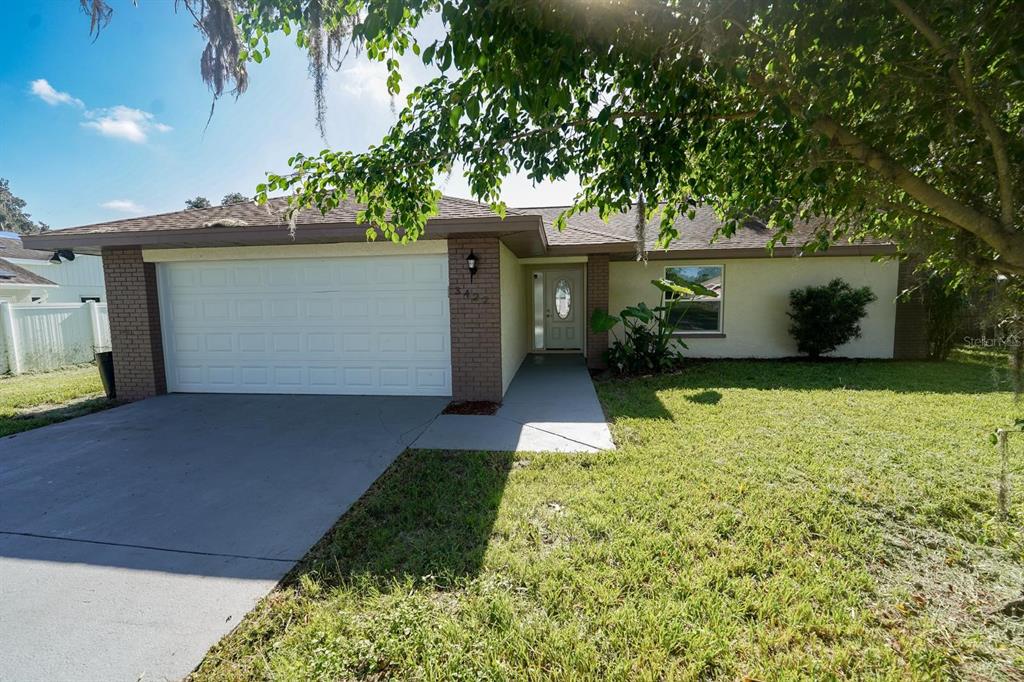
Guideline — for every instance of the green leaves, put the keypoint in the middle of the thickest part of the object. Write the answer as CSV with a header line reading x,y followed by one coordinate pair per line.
x,y
454,115
601,321
638,312
675,285
649,342
728,117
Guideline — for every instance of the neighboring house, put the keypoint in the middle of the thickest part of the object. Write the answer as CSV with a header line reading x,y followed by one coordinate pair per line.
x,y
68,281
225,300
19,285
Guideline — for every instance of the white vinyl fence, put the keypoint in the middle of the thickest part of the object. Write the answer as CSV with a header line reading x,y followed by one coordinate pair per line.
x,y
36,337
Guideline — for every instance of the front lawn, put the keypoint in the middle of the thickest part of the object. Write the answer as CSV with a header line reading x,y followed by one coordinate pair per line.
x,y
761,520
28,401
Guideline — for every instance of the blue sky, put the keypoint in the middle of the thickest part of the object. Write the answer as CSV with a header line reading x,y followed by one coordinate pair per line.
x,y
93,131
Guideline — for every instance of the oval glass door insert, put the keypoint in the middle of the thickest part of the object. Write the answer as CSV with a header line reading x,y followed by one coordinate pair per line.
x,y
563,298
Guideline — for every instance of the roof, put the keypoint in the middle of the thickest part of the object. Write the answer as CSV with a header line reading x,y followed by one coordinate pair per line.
x,y
527,231
695,234
450,208
21,276
11,247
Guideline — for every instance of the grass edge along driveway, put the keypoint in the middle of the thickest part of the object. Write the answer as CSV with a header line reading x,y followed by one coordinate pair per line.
x,y
758,519
28,401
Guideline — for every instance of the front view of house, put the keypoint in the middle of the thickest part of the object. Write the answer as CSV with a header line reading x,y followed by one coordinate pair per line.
x,y
225,300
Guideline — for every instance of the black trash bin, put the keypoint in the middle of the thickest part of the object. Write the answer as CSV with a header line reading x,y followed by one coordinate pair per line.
x,y
105,362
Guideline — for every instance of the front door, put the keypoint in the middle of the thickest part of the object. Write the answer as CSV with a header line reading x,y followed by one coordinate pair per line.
x,y
563,309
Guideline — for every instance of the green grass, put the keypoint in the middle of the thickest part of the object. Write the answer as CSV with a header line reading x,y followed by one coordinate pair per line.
x,y
770,520
29,401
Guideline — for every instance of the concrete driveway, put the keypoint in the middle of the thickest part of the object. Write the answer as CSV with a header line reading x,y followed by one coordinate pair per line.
x,y
131,540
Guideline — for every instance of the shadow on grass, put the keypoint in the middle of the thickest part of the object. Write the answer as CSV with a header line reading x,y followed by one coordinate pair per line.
x,y
429,516
705,398
707,380
26,420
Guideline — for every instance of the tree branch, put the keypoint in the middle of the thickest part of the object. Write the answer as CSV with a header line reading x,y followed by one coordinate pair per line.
x,y
917,213
965,217
962,80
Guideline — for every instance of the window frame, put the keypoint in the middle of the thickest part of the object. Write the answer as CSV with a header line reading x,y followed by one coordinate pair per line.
x,y
719,331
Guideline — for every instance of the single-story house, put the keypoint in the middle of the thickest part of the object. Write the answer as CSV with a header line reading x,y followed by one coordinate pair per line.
x,y
225,300
61,280
20,285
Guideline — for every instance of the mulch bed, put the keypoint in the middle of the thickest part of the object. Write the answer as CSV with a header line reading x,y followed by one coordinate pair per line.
x,y
472,407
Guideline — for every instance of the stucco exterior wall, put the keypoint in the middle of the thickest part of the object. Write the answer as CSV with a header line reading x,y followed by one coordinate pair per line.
x,y
514,320
756,299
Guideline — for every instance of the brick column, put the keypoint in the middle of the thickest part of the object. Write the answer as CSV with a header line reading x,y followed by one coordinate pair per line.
x,y
910,340
134,324
597,298
475,313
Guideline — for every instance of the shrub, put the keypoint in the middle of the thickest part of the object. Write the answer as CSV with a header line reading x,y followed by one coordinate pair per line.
x,y
648,343
826,317
944,306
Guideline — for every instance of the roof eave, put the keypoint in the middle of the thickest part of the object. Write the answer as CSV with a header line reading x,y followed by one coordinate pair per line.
x,y
275,234
27,285
627,250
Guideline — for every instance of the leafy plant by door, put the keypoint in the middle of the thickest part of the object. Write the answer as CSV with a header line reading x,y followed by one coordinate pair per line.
x,y
648,342
826,317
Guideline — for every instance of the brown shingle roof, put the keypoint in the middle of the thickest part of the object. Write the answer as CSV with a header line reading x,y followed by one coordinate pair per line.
x,y
582,230
11,247
15,274
450,208
696,234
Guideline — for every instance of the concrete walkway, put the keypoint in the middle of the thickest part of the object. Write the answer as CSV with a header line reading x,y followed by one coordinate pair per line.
x,y
131,540
551,405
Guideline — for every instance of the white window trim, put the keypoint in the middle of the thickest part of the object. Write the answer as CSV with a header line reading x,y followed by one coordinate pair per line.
x,y
720,330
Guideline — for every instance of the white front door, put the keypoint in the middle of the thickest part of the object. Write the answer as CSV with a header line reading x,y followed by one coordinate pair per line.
x,y
563,309
355,325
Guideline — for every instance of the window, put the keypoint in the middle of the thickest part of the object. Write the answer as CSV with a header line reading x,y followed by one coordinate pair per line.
x,y
538,311
86,299
699,314
563,299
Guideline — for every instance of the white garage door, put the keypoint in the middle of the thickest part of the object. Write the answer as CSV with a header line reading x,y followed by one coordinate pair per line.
x,y
356,326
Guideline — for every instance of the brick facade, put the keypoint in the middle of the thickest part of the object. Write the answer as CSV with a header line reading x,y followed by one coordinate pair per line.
x,y
475,314
910,340
134,324
597,298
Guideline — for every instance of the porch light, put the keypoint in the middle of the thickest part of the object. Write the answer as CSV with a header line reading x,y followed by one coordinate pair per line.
x,y
471,263
66,254
55,258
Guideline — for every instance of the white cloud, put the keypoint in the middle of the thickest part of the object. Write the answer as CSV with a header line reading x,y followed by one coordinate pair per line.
x,y
42,89
367,79
124,123
123,206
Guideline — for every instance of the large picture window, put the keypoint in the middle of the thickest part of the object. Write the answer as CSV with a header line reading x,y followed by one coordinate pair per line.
x,y
699,314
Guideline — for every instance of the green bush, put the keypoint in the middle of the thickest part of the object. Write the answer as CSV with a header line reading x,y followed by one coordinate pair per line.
x,y
944,307
826,317
648,343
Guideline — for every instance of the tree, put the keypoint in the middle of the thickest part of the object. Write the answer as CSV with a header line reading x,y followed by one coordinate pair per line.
x,y
12,215
198,202
234,198
899,119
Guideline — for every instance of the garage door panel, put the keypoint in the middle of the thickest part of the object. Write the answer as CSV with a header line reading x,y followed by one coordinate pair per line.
x,y
254,376
343,326
355,380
